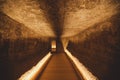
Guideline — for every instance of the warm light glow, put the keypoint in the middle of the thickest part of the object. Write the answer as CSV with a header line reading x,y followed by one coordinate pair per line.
x,y
87,75
32,73
29,13
77,15
89,13
104,26
53,44
65,42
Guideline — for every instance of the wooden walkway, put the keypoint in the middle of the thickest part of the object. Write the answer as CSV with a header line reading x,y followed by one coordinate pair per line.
x,y
59,68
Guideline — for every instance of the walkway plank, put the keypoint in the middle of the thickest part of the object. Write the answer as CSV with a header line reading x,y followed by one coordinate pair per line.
x,y
59,68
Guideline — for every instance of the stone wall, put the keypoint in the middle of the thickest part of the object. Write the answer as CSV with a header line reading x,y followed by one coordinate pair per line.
x,y
18,56
20,48
99,51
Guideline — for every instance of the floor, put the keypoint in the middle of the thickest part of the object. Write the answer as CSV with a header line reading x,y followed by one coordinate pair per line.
x,y
59,68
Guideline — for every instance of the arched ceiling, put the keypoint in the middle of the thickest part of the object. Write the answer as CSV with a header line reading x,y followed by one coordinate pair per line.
x,y
59,18
29,13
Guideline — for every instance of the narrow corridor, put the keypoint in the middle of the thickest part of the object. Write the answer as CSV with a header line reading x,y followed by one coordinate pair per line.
x,y
59,68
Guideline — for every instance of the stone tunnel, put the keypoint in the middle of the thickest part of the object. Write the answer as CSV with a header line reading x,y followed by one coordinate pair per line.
x,y
88,29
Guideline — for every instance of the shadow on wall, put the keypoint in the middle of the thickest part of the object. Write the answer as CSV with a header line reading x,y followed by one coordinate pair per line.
x,y
18,56
100,52
19,49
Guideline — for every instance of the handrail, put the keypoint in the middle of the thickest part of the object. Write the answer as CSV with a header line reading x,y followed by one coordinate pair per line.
x,y
83,71
35,70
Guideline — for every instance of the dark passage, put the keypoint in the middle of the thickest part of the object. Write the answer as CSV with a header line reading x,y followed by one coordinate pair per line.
x,y
59,68
89,29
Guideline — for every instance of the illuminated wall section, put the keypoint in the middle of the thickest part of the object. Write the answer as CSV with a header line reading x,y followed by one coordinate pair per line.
x,y
83,14
29,13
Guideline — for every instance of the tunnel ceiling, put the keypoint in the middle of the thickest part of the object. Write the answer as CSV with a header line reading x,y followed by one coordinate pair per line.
x,y
59,18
